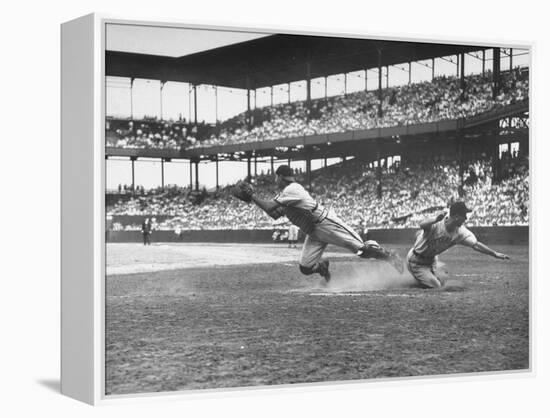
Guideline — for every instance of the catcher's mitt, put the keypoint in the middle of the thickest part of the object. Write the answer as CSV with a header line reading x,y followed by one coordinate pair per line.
x,y
243,191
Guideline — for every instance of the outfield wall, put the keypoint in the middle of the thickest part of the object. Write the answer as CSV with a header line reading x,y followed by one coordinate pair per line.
x,y
489,235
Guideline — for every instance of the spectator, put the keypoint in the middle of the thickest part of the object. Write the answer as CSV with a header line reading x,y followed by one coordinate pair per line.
x,y
146,231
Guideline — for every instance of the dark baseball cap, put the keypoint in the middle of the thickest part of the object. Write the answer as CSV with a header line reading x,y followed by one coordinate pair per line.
x,y
459,208
284,171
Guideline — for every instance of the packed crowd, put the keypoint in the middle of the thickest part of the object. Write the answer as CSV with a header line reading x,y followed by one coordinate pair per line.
x,y
408,194
432,101
153,133
504,204
410,104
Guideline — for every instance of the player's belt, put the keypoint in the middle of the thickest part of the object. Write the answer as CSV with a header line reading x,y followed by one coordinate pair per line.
x,y
322,216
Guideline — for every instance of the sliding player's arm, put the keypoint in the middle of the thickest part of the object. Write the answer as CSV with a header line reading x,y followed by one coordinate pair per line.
x,y
482,248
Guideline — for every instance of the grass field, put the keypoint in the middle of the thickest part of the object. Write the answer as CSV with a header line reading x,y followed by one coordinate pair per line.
x,y
195,316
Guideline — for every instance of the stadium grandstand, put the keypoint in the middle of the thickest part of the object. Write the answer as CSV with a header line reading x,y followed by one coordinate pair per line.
x,y
386,131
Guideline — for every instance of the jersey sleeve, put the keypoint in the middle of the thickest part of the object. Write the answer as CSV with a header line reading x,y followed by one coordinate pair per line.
x,y
276,212
290,195
467,237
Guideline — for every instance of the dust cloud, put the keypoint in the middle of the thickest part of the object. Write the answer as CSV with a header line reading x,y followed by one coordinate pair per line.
x,y
369,276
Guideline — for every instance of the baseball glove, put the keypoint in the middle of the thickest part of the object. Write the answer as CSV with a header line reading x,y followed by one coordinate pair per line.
x,y
243,191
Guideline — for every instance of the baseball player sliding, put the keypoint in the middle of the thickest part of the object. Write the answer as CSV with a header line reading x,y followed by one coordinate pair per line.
x,y
438,235
320,225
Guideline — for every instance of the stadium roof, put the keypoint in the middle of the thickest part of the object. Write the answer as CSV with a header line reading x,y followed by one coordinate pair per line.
x,y
276,59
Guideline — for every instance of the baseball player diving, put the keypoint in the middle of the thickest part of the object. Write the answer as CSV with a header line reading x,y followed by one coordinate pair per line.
x,y
320,225
438,235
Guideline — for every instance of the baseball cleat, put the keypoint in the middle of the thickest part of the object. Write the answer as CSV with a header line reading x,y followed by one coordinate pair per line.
x,y
323,270
396,262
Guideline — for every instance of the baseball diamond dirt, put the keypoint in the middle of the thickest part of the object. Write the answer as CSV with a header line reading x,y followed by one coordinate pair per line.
x,y
202,316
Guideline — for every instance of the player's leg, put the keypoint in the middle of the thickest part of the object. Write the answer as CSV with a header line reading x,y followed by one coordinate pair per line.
x,y
310,259
334,231
424,274
424,271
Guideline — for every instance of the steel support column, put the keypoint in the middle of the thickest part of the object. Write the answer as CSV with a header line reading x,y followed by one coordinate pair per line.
x,y
496,72
433,69
410,72
459,145
216,103
248,169
162,173
288,92
308,89
483,62
161,88
379,82
197,174
217,174
496,160
308,169
378,171
133,159
190,174
272,166
345,83
132,98
462,82
248,107
189,99
195,102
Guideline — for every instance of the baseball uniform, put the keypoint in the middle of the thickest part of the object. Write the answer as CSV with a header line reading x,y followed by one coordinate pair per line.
x,y
422,258
329,229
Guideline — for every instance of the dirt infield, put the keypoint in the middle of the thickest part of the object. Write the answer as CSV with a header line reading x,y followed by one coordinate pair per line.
x,y
255,320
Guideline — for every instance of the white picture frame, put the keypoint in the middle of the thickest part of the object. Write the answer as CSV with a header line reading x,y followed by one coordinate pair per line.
x,y
83,205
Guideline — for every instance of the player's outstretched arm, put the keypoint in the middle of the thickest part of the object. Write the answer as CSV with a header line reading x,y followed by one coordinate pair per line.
x,y
270,207
427,223
482,248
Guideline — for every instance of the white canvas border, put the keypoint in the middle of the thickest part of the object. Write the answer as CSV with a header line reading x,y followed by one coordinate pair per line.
x,y
100,21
